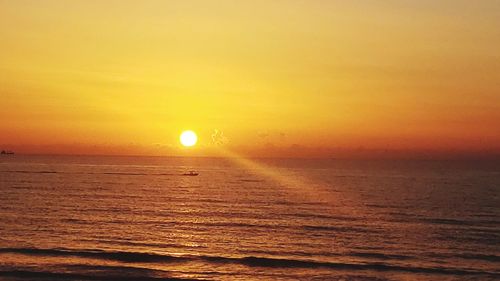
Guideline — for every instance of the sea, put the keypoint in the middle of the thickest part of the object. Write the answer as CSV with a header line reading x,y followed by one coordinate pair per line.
x,y
141,218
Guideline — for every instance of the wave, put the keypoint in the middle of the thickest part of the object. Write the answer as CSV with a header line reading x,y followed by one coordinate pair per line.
x,y
121,174
31,172
96,254
251,261
492,258
46,275
368,255
348,229
136,174
379,256
91,173
250,180
470,256
458,222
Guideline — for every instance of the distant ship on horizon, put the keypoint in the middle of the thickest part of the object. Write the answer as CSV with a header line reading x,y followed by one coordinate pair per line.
x,y
7,152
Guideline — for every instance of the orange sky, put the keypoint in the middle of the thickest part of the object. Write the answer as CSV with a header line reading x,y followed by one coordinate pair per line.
x,y
276,77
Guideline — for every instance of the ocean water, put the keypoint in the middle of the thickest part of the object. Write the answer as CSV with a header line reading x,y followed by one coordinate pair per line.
x,y
139,218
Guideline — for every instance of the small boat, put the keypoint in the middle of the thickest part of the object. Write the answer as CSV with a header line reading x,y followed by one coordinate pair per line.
x,y
6,152
190,173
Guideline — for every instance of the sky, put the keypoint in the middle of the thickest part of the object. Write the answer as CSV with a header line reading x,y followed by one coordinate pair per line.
x,y
260,78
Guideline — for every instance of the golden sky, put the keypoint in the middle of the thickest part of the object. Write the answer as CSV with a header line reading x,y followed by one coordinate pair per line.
x,y
127,77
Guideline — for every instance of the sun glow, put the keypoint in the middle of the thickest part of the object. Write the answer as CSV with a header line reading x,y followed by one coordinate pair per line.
x,y
188,138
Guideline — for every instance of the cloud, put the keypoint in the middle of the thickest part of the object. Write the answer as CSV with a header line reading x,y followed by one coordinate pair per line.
x,y
263,135
218,137
266,135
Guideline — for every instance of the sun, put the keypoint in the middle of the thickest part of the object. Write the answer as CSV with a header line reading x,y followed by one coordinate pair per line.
x,y
188,138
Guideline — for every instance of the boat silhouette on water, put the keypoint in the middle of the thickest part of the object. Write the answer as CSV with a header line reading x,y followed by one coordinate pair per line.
x,y
191,173
6,152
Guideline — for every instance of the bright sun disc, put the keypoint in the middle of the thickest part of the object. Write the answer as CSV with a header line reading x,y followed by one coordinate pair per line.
x,y
188,138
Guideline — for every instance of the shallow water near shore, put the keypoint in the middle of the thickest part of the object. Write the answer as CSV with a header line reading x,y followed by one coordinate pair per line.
x,y
139,218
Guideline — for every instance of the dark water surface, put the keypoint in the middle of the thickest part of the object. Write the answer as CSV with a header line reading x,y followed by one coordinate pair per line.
x,y
138,218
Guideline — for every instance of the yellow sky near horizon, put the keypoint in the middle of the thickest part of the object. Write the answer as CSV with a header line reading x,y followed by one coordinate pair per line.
x,y
319,74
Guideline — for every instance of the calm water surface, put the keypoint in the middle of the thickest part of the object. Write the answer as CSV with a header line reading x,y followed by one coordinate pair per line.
x,y
138,218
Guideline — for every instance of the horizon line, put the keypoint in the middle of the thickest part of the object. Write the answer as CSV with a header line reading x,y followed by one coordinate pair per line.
x,y
413,156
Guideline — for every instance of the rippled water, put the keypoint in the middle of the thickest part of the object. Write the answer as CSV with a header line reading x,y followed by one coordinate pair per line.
x,y
126,218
